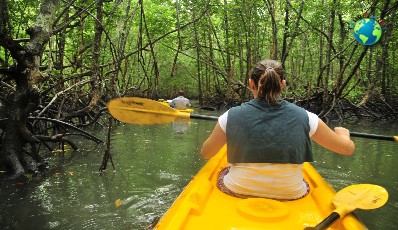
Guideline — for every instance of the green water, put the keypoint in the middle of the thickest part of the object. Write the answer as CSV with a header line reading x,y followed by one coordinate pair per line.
x,y
153,164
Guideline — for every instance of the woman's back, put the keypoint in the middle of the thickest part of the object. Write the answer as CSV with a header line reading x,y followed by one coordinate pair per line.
x,y
277,181
273,143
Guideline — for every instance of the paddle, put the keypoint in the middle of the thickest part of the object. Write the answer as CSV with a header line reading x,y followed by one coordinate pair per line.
x,y
135,110
358,196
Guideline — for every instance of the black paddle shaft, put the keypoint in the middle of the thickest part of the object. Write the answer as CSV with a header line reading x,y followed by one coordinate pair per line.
x,y
372,136
328,221
203,117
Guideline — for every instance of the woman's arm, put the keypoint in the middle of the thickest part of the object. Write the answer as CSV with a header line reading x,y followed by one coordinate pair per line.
x,y
214,142
338,141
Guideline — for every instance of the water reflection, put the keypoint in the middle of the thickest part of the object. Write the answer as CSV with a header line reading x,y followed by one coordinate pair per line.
x,y
181,126
153,164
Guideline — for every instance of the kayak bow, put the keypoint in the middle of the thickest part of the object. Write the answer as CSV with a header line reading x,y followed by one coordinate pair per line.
x,y
201,205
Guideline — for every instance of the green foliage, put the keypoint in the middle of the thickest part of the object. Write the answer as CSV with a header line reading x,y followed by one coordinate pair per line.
x,y
126,54
22,13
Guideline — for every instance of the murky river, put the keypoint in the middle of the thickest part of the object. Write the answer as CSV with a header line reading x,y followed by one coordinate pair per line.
x,y
154,163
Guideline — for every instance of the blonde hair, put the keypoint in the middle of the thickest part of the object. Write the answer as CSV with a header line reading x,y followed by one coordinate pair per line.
x,y
267,75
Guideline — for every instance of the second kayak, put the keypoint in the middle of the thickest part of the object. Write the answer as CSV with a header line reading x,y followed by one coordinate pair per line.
x,y
167,103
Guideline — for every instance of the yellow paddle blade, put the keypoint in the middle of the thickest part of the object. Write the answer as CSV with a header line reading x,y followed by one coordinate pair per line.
x,y
135,110
362,196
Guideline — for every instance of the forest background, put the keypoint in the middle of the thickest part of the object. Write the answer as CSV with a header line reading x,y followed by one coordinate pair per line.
x,y
62,61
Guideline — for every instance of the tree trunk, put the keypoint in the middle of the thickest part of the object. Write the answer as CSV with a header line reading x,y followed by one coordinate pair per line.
x,y
384,58
271,10
154,93
96,72
287,33
371,77
228,64
26,74
212,70
326,95
179,46
197,48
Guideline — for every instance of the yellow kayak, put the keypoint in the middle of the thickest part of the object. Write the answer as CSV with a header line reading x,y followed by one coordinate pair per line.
x,y
202,206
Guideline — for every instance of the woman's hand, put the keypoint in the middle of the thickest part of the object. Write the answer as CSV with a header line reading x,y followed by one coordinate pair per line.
x,y
338,141
342,131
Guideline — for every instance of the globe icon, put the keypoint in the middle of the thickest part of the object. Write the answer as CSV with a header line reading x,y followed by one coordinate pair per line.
x,y
367,31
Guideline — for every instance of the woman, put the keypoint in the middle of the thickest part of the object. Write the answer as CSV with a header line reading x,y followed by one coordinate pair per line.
x,y
268,140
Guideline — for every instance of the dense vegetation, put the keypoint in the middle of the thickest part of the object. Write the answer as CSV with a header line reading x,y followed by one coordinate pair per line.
x,y
61,61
